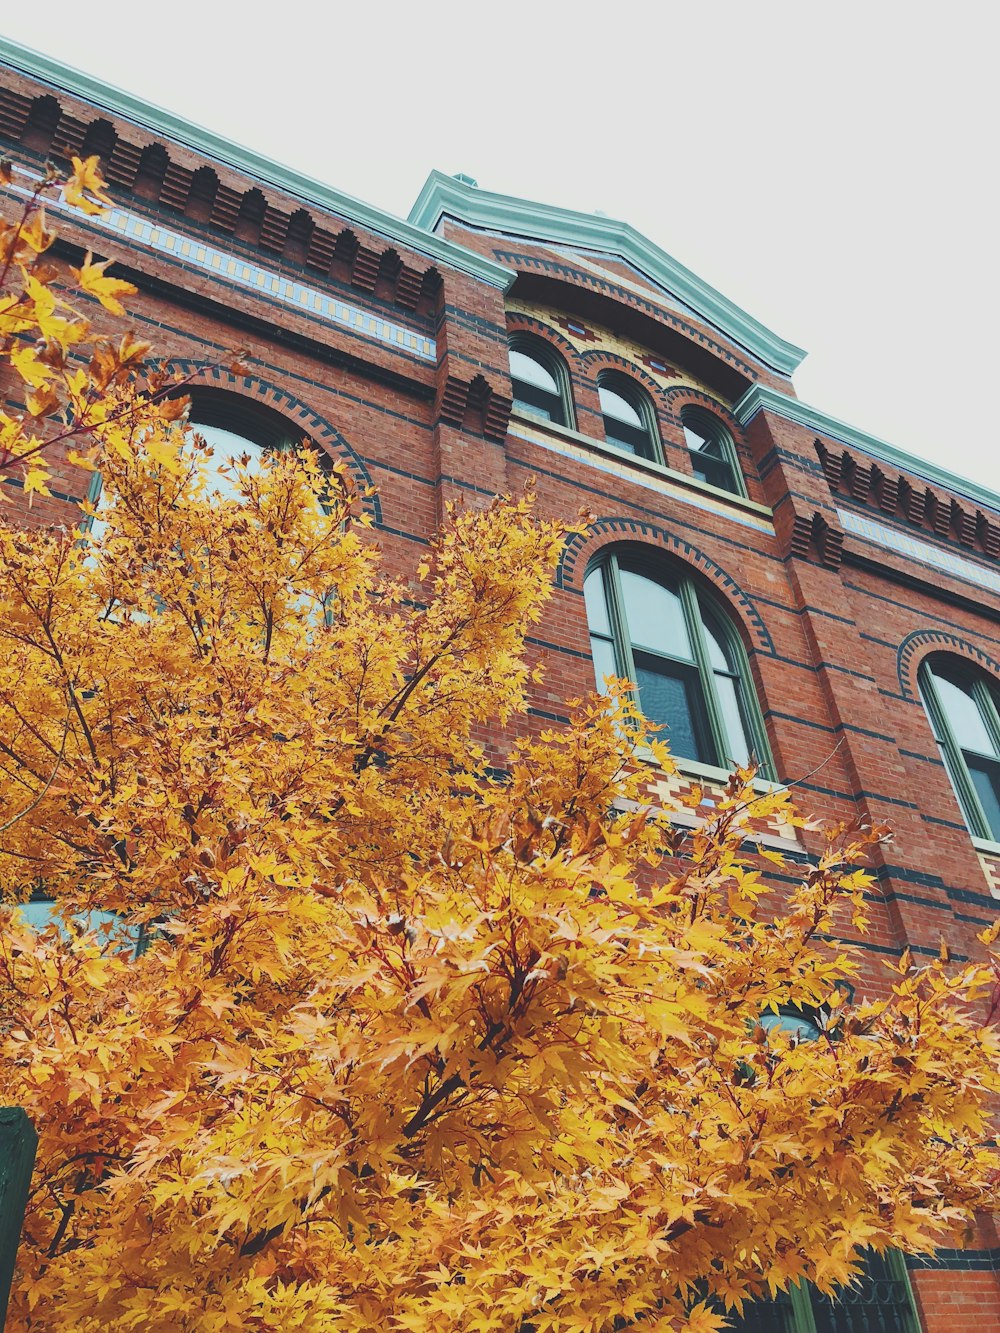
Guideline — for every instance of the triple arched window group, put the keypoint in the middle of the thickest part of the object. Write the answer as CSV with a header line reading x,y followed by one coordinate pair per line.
x,y
541,388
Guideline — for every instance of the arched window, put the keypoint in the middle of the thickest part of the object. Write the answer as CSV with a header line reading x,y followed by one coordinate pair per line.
x,y
963,705
661,631
713,456
234,428
629,423
539,380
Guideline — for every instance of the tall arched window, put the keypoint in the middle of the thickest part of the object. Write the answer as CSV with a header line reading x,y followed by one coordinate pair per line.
x,y
629,423
713,455
539,379
235,428
963,705
660,630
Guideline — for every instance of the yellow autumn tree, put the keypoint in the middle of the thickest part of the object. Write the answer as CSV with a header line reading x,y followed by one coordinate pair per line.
x,y
343,1022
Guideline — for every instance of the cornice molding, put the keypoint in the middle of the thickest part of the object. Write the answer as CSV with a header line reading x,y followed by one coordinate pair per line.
x,y
760,398
445,195
63,78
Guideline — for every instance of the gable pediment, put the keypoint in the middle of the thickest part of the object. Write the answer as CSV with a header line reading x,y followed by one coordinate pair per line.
x,y
608,249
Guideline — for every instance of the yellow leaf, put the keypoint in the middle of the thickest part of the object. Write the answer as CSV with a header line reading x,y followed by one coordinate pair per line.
x,y
92,279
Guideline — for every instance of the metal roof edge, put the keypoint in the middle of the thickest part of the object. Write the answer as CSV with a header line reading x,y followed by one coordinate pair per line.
x,y
760,398
226,153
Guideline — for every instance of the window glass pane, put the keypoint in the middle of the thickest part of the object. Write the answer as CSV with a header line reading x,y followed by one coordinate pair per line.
x,y
604,660
696,439
715,639
716,471
655,616
795,1024
597,607
764,1316
986,780
876,1299
631,439
226,447
672,700
546,408
614,405
737,744
963,714
530,371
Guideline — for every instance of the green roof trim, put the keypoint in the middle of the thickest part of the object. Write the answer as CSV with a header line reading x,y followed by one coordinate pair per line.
x,y
759,398
446,195
310,191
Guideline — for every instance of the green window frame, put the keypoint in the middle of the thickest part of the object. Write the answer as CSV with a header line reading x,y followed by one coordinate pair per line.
x,y
653,625
963,707
539,379
629,419
713,453
881,1298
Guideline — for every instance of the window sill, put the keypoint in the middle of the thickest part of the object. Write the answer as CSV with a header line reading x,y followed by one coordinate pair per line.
x,y
640,465
691,768
986,846
710,774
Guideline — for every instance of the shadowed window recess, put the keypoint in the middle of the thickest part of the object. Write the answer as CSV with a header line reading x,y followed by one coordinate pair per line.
x,y
654,626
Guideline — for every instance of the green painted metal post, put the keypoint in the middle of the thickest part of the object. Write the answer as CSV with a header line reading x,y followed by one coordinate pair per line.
x,y
18,1142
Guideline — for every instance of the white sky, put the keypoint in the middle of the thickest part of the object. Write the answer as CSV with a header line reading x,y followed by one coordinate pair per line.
x,y
832,169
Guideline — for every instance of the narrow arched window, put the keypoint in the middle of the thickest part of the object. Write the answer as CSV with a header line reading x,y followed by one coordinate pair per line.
x,y
629,423
963,705
539,380
661,631
713,455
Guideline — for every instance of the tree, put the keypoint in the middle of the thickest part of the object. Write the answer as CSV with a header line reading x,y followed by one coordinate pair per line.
x,y
343,1020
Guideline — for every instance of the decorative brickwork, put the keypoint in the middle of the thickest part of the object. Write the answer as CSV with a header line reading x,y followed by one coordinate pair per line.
x,y
668,789
167,185
903,497
990,861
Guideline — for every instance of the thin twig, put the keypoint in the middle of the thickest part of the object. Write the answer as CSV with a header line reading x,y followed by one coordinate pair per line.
x,y
52,777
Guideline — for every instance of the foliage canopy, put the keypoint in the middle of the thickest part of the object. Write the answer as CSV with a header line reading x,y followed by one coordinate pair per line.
x,y
380,1032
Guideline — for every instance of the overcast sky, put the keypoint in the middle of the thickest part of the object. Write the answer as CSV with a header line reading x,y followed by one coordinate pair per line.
x,y
831,169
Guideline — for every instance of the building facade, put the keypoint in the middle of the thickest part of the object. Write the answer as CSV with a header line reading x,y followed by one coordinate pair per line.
x,y
777,582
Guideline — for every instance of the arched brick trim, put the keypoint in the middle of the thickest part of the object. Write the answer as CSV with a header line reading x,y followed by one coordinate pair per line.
x,y
316,428
600,359
597,359
518,322
685,395
922,642
581,548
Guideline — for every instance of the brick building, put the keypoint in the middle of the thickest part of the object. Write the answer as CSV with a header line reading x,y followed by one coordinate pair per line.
x,y
777,581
